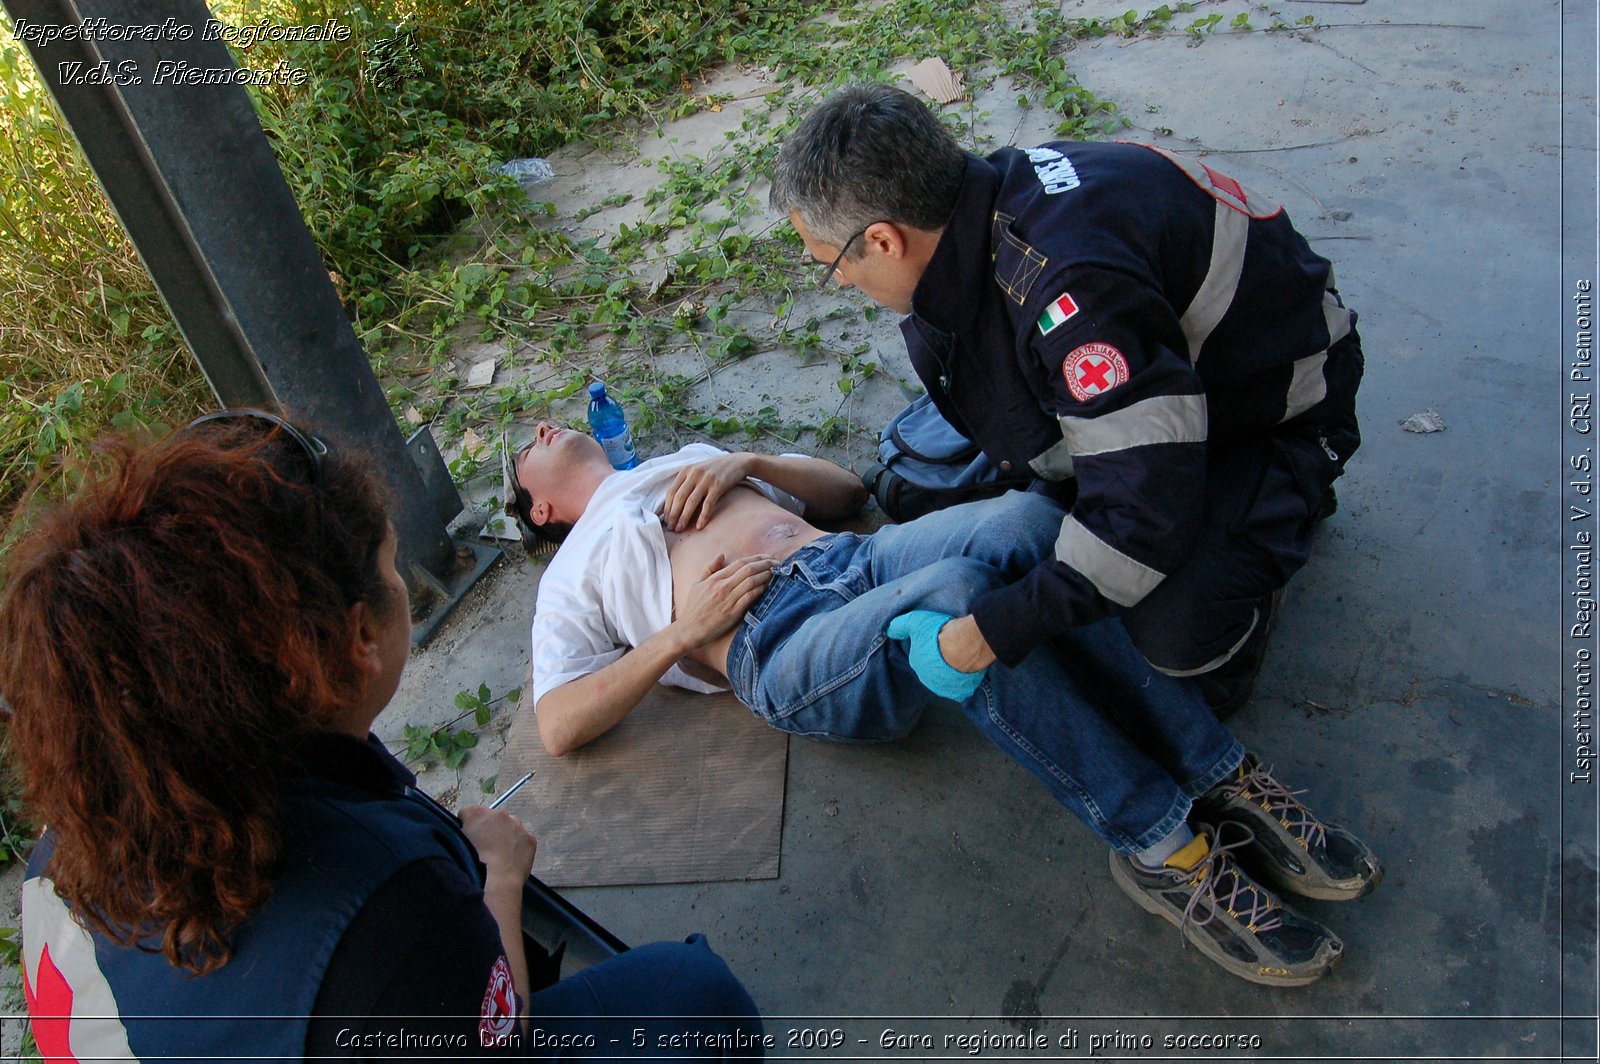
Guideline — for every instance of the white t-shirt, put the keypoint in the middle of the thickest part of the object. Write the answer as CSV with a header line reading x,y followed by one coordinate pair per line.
x,y
609,587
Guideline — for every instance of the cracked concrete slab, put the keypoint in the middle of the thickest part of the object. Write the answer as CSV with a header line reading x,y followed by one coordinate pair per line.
x,y
1414,686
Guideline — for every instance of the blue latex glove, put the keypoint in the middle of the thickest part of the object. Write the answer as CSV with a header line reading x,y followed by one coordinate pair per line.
x,y
921,628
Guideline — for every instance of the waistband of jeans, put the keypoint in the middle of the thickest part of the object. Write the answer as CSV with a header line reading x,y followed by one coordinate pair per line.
x,y
807,559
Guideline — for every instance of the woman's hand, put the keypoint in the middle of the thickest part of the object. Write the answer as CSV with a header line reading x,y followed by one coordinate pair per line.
x,y
503,844
698,488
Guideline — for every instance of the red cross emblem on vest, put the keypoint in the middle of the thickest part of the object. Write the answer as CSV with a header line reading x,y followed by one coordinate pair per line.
x,y
1093,369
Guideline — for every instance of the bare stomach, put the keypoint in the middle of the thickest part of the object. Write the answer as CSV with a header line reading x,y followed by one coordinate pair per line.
x,y
745,523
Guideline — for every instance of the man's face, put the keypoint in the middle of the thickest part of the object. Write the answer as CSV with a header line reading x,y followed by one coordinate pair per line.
x,y
552,455
883,270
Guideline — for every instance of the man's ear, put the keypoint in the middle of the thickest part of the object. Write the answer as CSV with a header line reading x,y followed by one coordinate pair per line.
x,y
886,239
540,512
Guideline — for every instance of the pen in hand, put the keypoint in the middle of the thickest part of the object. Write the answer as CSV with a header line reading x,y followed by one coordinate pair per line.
x,y
513,789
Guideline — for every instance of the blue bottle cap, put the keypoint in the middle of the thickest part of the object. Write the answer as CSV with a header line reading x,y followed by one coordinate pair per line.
x,y
597,389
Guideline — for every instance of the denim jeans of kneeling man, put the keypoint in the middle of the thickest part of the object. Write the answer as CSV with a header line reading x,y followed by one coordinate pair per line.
x,y
1123,746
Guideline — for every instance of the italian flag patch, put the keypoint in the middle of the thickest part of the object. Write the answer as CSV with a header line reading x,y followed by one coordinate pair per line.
x,y
1057,313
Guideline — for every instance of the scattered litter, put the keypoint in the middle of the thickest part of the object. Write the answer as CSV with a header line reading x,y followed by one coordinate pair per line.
x,y
659,279
937,81
688,312
481,373
529,172
501,526
1427,421
414,416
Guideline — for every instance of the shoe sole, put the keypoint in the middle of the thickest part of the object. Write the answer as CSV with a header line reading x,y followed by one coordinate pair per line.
x,y
1319,891
1260,974
1264,868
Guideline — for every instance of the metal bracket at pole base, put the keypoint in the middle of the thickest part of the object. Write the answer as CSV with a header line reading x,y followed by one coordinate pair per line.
x,y
432,599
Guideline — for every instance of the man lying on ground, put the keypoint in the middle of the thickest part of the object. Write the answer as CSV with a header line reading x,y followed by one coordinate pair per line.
x,y
697,569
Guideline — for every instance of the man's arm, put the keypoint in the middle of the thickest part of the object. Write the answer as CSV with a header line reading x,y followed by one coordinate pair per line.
x,y
586,708
1134,418
829,492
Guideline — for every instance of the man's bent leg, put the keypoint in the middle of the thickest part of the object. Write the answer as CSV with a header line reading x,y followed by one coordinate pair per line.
x,y
1130,763
1012,533
813,658
1169,717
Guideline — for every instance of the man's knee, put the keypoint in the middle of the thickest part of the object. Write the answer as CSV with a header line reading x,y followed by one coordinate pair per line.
x,y
1187,637
1017,528
948,585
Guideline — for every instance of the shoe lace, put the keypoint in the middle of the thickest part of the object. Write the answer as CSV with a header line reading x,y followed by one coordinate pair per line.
x,y
1219,880
1255,783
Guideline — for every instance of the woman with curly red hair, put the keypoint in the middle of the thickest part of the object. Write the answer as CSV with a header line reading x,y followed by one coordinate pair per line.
x,y
194,650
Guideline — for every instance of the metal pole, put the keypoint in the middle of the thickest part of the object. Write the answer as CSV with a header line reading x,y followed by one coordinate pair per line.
x,y
194,181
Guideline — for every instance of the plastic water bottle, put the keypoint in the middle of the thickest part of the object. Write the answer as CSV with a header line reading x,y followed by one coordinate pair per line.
x,y
610,426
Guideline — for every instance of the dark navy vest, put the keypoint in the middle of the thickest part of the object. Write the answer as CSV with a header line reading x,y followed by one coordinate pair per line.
x,y
344,842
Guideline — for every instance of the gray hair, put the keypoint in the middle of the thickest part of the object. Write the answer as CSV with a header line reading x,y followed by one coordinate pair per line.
x,y
868,153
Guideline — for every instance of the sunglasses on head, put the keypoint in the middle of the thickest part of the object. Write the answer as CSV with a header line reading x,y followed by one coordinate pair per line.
x,y
311,448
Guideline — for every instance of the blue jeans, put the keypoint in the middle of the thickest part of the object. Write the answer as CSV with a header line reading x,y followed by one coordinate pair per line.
x,y
1116,742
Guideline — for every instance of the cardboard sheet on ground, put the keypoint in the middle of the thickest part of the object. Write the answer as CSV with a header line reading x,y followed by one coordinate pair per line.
x,y
688,789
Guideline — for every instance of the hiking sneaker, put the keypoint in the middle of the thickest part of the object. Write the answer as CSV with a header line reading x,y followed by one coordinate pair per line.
x,y
1228,916
1295,851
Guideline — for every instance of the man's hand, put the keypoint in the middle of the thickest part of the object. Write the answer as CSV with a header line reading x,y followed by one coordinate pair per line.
x,y
963,646
698,488
718,600
923,632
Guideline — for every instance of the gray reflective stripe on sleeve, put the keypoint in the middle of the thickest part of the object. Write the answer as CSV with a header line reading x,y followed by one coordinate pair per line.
x,y
1216,292
1114,574
1308,388
1054,464
1162,419
1336,317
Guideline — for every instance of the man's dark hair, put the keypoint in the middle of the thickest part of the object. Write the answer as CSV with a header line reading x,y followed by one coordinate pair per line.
x,y
868,153
522,506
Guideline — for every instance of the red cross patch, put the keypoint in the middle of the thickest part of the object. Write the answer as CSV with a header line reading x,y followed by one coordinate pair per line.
x,y
1093,369
499,1012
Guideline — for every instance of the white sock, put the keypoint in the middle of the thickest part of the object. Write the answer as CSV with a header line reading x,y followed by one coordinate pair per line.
x,y
1154,856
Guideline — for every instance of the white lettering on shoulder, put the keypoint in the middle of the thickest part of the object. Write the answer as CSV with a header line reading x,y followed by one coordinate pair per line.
x,y
1058,176
1055,171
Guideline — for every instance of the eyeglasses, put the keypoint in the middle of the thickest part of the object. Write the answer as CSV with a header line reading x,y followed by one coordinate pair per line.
x,y
833,267
312,449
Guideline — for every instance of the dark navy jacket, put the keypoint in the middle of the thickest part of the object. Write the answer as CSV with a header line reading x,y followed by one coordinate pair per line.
x,y
1097,314
344,842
